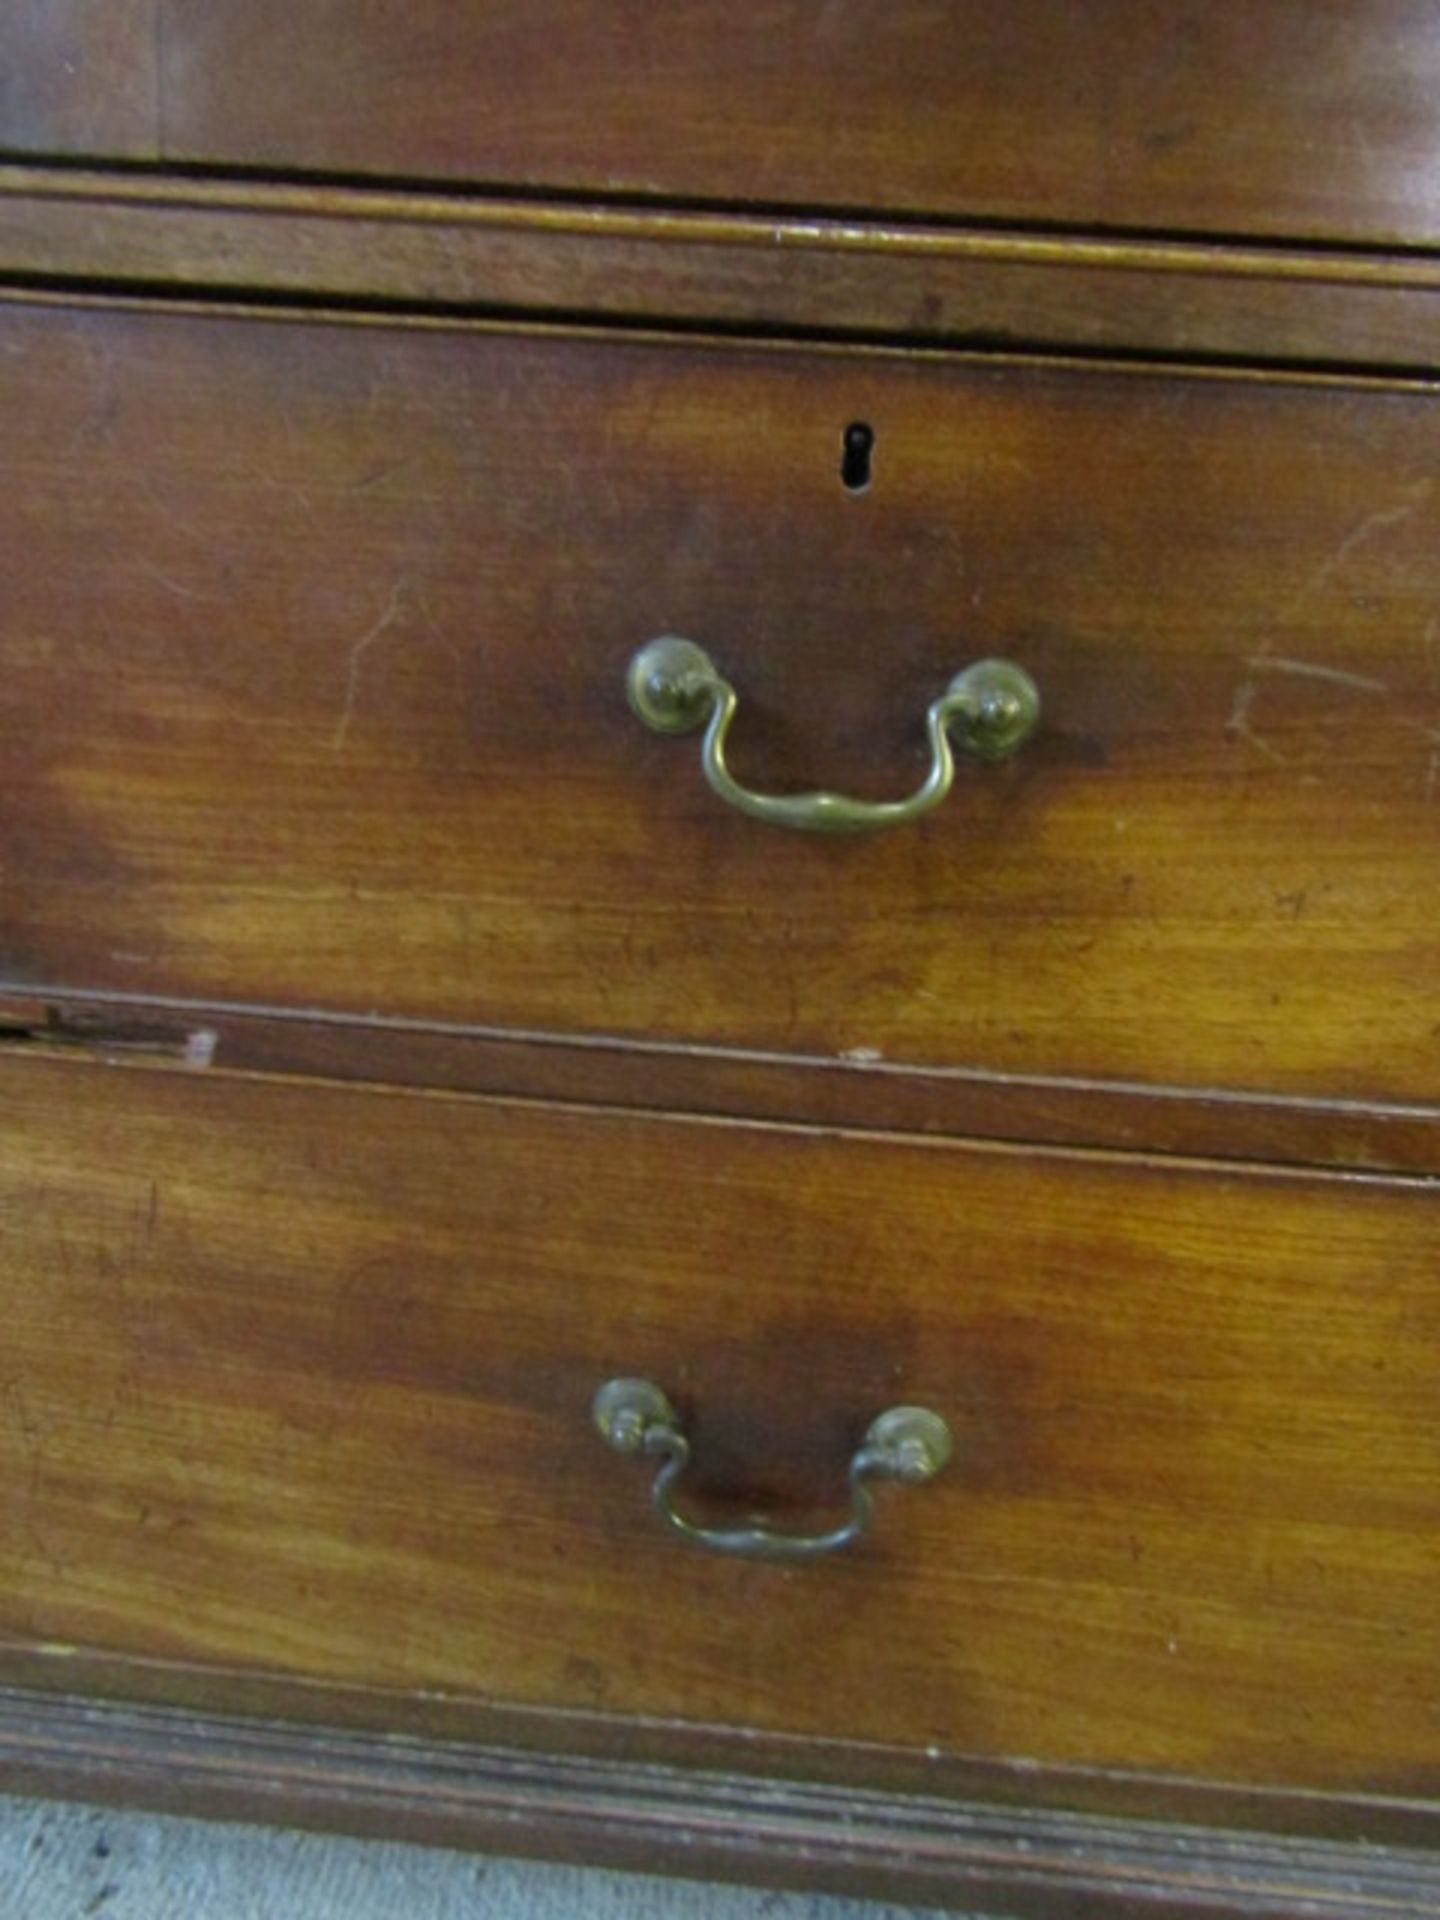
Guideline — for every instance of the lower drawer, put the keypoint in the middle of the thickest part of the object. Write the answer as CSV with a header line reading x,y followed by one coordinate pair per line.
x,y
298,1380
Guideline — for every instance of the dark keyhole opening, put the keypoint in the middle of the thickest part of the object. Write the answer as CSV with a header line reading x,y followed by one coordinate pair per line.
x,y
859,442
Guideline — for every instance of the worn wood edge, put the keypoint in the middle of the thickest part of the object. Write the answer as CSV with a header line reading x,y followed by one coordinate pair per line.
x,y
48,1670
40,294
1267,259
1027,1861
841,1092
868,279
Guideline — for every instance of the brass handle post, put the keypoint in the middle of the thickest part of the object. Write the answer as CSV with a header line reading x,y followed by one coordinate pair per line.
x,y
909,1444
990,709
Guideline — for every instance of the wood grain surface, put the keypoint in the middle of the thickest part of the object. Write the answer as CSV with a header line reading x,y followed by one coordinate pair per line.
x,y
1306,118
297,1379
311,695
1035,1861
80,76
316,773
872,1095
808,277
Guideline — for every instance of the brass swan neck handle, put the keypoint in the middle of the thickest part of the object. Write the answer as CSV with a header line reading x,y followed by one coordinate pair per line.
x,y
990,709
909,1444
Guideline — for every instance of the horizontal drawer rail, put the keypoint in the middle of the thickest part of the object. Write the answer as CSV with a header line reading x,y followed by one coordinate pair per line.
x,y
782,274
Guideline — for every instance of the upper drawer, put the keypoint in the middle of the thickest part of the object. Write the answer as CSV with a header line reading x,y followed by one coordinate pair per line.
x,y
1300,117
313,651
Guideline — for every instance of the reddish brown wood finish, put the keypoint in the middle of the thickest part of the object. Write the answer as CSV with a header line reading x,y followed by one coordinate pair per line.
x,y
311,694
1034,1861
41,1684
298,1380
841,1093
928,285
80,76
1295,117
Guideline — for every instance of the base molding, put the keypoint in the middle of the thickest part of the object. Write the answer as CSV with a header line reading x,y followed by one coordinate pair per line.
x,y
1032,1862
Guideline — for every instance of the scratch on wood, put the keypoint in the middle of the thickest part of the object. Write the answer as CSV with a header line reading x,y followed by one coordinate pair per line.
x,y
279,484
395,608
1366,529
357,654
1310,670
177,587
1239,721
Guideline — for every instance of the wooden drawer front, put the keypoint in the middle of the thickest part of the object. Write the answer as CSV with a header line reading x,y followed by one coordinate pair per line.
x,y
1300,117
312,657
299,1379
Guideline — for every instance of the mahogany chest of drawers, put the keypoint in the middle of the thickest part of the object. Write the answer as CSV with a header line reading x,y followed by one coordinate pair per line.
x,y
725,724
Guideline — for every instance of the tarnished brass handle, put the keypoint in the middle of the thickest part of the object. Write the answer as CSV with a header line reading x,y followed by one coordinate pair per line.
x,y
991,709
910,1444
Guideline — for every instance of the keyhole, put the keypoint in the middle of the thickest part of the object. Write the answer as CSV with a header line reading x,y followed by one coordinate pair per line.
x,y
858,443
